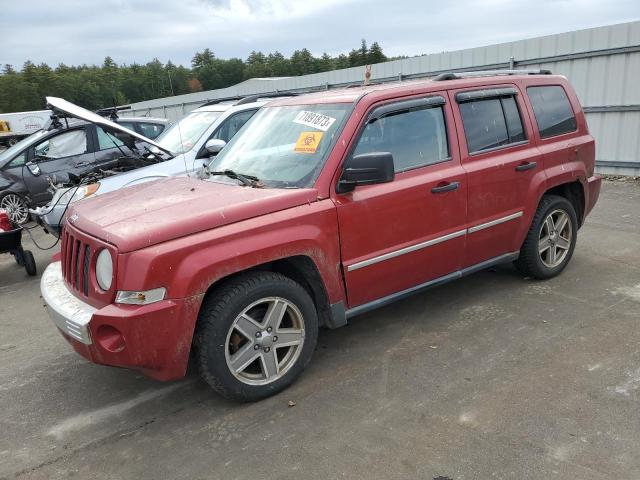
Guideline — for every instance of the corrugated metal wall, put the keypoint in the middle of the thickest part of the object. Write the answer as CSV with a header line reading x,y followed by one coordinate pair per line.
x,y
602,63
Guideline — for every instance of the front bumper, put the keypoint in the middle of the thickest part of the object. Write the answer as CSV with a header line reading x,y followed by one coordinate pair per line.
x,y
69,313
155,339
50,218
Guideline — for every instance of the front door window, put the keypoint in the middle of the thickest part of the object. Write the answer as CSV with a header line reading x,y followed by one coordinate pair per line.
x,y
66,144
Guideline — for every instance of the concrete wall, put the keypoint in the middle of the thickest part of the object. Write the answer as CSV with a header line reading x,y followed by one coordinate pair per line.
x,y
602,63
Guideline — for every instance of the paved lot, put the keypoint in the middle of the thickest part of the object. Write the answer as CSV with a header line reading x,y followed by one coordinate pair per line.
x,y
494,376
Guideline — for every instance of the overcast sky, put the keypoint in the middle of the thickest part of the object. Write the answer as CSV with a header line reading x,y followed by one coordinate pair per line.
x,y
85,31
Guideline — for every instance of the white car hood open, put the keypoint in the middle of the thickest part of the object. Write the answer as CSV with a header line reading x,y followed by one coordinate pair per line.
x,y
84,114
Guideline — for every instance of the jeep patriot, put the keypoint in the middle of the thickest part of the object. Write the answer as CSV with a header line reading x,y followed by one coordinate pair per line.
x,y
324,206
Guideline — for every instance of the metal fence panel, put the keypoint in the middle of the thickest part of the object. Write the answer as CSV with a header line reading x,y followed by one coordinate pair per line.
x,y
602,63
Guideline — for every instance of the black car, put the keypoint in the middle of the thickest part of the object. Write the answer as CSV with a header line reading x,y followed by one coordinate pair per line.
x,y
68,146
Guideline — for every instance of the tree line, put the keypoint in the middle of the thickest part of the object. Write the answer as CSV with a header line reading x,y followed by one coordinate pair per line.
x,y
95,87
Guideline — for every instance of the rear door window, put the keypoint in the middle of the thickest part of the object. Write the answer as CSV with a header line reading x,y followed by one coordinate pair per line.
x,y
415,138
514,122
151,130
231,126
491,123
107,140
552,110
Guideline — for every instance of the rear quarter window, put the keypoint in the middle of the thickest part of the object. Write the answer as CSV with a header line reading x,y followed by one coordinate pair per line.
x,y
552,110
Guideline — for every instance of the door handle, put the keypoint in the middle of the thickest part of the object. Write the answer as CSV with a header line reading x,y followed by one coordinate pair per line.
x,y
446,187
526,166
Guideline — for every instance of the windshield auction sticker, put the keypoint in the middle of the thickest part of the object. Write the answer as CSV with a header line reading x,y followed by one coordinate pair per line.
x,y
308,142
315,120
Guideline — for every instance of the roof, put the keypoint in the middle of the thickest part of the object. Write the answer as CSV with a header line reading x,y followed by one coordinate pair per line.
x,y
144,119
245,88
349,95
217,107
223,107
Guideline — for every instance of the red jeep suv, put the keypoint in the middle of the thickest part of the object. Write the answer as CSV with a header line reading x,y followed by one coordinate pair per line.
x,y
323,207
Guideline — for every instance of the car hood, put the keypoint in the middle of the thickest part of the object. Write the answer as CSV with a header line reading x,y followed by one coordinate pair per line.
x,y
75,111
151,213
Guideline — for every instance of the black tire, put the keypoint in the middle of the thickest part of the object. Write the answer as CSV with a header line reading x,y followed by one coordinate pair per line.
x,y
530,262
217,316
29,263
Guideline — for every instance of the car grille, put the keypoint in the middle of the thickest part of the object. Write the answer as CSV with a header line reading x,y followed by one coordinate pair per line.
x,y
76,258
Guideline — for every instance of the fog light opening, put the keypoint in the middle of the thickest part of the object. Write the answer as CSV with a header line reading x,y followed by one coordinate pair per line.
x,y
110,338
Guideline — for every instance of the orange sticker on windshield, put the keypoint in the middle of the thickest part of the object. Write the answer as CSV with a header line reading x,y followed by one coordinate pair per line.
x,y
308,142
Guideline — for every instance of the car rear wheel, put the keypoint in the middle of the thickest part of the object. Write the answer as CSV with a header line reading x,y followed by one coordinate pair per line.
x,y
16,206
255,335
551,240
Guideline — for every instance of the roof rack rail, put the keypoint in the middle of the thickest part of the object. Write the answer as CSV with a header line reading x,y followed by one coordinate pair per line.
x,y
488,73
243,99
258,96
220,100
112,112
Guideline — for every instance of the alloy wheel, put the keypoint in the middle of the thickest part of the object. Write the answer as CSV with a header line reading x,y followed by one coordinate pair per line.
x,y
554,240
16,208
265,341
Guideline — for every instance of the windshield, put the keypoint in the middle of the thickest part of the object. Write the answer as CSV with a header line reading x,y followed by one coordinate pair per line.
x,y
284,146
18,147
182,136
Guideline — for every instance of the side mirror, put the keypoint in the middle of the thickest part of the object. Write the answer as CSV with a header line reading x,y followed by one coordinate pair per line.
x,y
214,146
33,168
366,169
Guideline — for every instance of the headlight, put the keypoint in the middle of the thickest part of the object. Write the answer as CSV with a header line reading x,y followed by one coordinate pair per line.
x,y
73,194
85,191
141,298
62,196
104,269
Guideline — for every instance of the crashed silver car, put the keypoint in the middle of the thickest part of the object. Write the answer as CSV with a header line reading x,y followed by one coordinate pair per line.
x,y
188,145
66,146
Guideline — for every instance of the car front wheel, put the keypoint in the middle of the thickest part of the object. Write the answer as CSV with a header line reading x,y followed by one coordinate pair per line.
x,y
255,335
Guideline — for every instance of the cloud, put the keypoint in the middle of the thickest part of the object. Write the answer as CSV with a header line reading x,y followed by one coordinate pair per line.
x,y
267,9
76,31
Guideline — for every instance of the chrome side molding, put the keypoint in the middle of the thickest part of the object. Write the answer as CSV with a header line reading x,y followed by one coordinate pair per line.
x,y
433,241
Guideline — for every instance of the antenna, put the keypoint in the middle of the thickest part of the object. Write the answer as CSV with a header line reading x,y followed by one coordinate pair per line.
x,y
170,83
182,152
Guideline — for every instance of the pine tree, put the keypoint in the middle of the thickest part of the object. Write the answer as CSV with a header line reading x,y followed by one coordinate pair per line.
x,y
93,87
375,54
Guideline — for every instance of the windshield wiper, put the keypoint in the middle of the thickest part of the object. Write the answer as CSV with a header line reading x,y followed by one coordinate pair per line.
x,y
248,180
157,155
